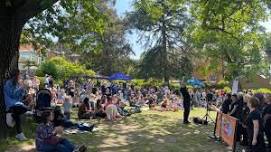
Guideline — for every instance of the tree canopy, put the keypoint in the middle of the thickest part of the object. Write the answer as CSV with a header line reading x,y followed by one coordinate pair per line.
x,y
178,36
163,26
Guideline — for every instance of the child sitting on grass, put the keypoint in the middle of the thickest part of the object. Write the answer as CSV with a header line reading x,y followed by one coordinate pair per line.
x,y
165,105
48,137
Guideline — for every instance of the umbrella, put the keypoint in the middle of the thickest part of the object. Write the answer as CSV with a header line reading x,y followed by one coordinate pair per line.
x,y
195,83
119,76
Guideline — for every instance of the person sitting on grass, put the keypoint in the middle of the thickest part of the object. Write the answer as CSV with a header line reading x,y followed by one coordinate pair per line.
x,y
111,110
99,110
175,104
61,120
165,105
151,103
48,137
84,111
14,93
120,106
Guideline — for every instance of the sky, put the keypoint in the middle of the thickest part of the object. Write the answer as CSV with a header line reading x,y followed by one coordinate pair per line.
x,y
123,6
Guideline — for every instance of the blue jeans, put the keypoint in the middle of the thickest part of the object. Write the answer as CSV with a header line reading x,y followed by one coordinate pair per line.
x,y
63,146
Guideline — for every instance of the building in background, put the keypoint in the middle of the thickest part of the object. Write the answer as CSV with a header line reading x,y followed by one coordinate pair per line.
x,y
29,58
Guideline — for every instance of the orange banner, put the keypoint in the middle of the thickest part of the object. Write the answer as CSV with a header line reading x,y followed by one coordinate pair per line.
x,y
226,128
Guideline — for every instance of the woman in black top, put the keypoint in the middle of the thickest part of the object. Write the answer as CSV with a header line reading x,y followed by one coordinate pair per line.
x,y
267,119
236,112
254,127
225,108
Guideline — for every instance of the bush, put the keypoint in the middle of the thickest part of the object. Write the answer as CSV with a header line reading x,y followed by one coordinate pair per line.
x,y
262,90
47,68
227,89
222,84
62,69
147,83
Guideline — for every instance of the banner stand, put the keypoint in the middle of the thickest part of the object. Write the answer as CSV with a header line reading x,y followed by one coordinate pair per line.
x,y
235,137
225,129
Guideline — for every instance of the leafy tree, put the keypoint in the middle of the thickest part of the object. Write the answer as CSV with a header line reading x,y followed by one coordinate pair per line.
x,y
229,35
15,13
73,24
163,25
267,45
113,54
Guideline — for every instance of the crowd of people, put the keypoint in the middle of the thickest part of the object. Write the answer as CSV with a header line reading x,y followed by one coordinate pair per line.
x,y
253,112
114,101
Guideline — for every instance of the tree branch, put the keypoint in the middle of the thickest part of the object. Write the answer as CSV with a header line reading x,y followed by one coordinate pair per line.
x,y
32,7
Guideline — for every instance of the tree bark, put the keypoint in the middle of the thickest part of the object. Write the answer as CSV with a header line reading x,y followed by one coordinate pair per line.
x,y
10,31
13,15
165,54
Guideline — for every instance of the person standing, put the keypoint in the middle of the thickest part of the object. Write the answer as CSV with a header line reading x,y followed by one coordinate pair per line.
x,y
267,119
186,104
254,127
236,112
225,108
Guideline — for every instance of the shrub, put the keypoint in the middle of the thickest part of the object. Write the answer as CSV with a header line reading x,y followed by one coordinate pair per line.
x,y
222,84
227,89
62,69
262,90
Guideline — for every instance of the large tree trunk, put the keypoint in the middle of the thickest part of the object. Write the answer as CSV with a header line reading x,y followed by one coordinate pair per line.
x,y
10,30
13,15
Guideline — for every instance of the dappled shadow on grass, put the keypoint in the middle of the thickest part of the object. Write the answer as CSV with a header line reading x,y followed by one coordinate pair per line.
x,y
146,131
150,131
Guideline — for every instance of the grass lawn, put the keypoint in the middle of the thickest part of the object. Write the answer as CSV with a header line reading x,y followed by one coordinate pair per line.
x,y
147,131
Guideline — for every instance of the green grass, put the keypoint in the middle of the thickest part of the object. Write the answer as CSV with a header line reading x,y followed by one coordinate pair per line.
x,y
147,131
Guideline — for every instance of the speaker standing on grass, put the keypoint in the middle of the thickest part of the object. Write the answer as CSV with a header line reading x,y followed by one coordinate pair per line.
x,y
186,103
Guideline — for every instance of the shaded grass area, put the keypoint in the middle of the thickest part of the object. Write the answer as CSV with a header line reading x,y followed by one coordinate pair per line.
x,y
143,132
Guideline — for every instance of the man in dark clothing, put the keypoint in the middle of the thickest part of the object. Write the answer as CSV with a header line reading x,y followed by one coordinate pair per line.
x,y
236,107
186,104
209,97
243,120
225,108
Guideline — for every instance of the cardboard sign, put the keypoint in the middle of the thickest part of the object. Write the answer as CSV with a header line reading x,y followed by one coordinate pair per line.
x,y
234,89
225,128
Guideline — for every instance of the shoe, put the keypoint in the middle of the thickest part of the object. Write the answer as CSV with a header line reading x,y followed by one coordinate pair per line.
x,y
82,148
21,137
91,128
186,122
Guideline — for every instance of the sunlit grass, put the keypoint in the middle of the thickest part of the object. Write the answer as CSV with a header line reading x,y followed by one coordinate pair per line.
x,y
146,131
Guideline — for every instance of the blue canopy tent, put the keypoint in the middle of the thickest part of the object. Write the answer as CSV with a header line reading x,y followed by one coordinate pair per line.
x,y
119,76
195,83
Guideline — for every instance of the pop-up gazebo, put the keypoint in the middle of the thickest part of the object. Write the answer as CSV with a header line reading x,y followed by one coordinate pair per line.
x,y
119,76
